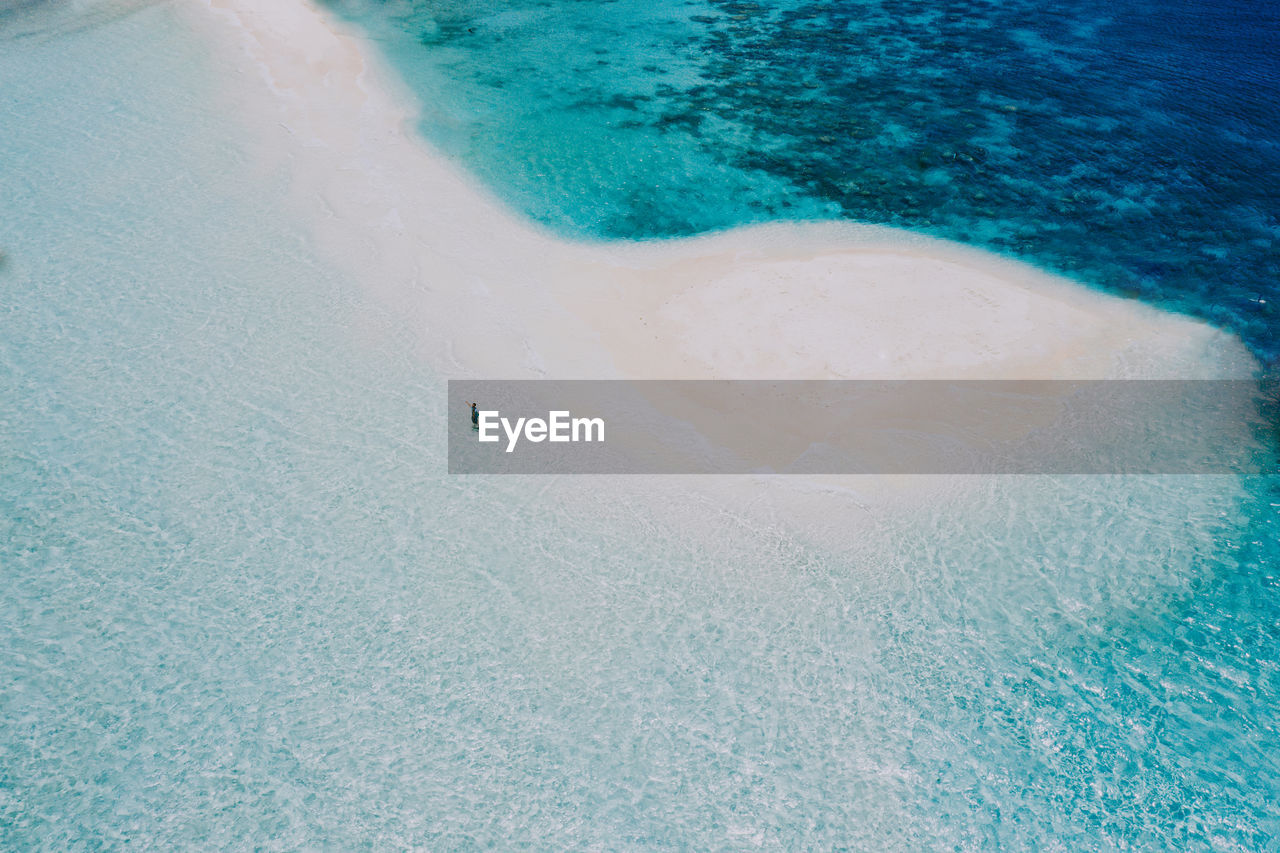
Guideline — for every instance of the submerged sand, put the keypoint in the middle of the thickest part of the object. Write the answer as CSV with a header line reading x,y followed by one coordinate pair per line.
x,y
493,296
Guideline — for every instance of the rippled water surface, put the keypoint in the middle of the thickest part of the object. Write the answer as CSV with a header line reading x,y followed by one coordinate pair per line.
x,y
243,606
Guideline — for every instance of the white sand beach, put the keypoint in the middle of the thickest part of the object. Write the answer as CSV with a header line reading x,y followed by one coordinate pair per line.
x,y
495,297
491,296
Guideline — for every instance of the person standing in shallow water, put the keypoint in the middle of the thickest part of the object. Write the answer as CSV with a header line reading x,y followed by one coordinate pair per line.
x,y
475,416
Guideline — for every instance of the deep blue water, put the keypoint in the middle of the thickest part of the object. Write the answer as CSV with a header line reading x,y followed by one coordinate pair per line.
x,y
1133,145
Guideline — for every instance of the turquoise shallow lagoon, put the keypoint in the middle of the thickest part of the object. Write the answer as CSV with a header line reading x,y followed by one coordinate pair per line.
x,y
243,606
1130,144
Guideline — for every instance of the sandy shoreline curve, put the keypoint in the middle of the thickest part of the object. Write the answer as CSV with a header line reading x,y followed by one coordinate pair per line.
x,y
494,296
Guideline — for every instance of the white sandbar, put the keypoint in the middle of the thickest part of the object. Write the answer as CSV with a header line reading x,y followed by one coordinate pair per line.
x,y
496,297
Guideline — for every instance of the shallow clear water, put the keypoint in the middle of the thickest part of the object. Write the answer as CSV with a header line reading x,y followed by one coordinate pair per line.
x,y
1131,144
243,605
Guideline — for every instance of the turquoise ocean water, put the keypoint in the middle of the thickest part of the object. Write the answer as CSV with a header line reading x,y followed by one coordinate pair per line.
x,y
1133,145
242,606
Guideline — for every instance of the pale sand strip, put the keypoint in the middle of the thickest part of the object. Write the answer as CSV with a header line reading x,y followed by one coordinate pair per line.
x,y
494,296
